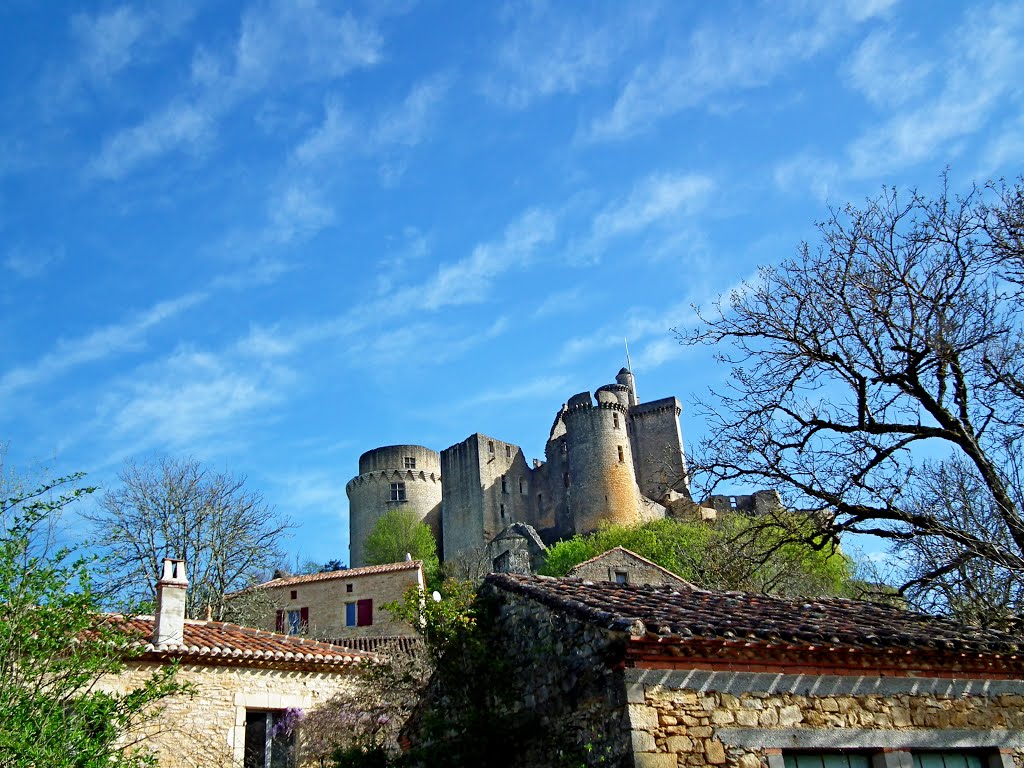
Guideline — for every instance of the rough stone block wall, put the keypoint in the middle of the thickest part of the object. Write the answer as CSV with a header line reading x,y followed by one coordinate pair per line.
x,y
606,566
208,728
561,675
326,602
732,719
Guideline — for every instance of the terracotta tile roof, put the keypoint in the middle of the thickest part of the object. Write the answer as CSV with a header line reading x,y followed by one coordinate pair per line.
x,y
216,642
681,615
674,578
349,573
408,644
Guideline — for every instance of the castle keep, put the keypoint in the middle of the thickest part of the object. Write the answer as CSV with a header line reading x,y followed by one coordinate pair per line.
x,y
608,458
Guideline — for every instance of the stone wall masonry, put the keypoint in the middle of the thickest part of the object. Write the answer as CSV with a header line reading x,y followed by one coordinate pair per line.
x,y
208,728
560,676
680,718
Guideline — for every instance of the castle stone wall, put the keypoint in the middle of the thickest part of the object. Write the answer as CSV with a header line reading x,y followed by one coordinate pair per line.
x,y
602,483
658,447
370,493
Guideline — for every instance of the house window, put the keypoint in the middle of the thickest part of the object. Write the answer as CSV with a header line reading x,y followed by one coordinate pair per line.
x,y
269,739
827,760
947,760
508,451
348,587
359,613
504,484
295,594
398,492
622,456
621,577
292,622
490,446
410,462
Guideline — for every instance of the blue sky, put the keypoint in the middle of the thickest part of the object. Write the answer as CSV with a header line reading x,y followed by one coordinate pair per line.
x,y
272,235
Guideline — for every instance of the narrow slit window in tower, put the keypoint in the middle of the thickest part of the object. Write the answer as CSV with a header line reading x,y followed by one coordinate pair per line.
x,y
566,479
522,486
490,446
508,451
502,508
615,420
504,484
622,456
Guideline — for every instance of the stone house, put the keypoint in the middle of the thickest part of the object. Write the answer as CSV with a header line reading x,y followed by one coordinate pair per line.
x,y
665,676
340,606
247,685
622,566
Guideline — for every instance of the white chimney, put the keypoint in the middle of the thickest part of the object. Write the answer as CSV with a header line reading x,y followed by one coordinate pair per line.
x,y
169,626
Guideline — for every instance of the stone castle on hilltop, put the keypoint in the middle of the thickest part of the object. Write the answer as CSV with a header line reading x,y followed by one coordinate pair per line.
x,y
615,460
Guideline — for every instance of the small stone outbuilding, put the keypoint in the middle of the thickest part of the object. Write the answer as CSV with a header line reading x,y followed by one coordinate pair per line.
x,y
669,676
622,566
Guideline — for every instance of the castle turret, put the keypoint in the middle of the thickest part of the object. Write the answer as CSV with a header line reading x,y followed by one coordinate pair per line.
x,y
625,379
601,483
393,477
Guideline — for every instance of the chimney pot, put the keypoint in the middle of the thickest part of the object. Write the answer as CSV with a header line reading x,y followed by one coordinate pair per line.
x,y
169,622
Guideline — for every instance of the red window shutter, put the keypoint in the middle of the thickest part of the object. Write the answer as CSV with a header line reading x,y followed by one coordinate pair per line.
x,y
365,608
303,619
279,622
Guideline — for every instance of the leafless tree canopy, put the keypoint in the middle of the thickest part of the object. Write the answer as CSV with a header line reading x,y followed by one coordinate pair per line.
x,y
228,536
893,341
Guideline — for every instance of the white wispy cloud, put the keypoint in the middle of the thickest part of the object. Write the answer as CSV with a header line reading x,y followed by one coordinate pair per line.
x,y
184,127
718,60
282,43
103,45
98,345
660,203
331,135
887,70
297,213
190,400
543,387
549,51
980,73
408,123
30,263
469,280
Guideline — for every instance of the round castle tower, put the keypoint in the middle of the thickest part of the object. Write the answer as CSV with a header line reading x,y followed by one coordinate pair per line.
x,y
392,477
602,480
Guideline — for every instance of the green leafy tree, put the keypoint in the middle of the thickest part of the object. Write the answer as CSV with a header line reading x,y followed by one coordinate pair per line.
x,y
734,552
400,532
55,647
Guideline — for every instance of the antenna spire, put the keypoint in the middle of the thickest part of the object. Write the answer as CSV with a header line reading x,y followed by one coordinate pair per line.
x,y
629,367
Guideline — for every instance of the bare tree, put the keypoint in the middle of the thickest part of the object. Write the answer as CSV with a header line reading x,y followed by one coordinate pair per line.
x,y
227,535
897,336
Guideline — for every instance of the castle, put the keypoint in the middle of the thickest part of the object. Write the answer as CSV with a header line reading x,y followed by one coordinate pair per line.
x,y
615,460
